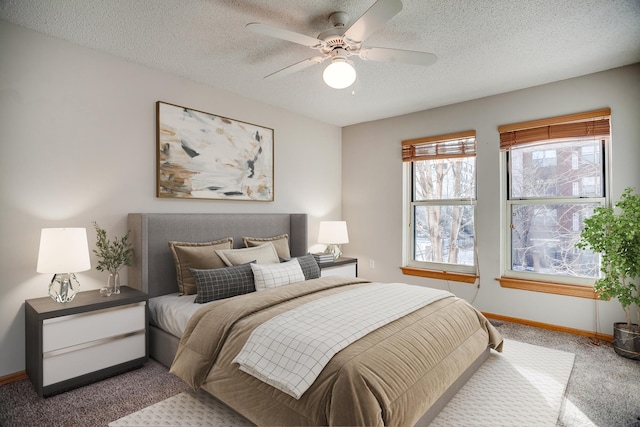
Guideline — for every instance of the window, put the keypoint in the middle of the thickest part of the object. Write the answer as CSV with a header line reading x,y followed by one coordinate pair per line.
x,y
543,158
555,178
441,194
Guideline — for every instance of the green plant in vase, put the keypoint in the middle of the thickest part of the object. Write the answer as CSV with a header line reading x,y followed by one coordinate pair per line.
x,y
112,255
614,233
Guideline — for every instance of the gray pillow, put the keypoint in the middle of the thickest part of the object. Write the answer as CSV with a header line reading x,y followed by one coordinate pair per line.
x,y
309,266
220,283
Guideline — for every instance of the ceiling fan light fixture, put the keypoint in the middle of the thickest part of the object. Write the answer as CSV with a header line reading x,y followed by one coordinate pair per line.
x,y
339,74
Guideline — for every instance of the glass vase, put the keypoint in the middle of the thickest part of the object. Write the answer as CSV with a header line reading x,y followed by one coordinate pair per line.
x,y
113,282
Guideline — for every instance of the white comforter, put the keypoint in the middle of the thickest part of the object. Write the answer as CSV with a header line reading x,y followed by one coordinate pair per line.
x,y
290,350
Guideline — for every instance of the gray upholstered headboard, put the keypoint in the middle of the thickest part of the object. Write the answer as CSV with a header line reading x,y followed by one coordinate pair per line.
x,y
153,269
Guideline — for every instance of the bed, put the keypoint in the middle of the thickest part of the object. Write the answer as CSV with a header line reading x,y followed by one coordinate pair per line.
x,y
402,373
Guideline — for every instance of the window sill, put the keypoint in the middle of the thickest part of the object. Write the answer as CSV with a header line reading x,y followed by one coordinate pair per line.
x,y
442,275
579,291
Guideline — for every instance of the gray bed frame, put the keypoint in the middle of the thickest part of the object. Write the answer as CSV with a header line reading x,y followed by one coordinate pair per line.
x,y
153,269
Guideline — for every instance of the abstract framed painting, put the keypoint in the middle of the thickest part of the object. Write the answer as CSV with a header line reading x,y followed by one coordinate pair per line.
x,y
204,156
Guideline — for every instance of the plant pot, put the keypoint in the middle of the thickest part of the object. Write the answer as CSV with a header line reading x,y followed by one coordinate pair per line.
x,y
626,340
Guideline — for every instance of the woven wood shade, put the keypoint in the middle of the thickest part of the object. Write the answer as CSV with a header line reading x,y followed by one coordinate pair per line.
x,y
460,144
593,124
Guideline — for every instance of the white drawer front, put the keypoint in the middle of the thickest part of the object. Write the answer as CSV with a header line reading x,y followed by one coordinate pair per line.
x,y
341,270
67,331
90,359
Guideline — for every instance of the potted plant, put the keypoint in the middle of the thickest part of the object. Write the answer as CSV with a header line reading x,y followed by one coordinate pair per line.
x,y
112,255
615,234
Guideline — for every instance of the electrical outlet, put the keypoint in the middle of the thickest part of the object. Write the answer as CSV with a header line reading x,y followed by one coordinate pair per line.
x,y
372,264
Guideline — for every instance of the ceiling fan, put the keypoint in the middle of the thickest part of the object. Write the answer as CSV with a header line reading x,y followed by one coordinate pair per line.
x,y
340,43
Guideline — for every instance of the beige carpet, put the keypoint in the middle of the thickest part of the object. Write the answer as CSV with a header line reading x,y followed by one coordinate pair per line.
x,y
524,385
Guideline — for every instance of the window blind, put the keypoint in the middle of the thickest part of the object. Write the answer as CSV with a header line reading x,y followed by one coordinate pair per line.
x,y
582,125
460,144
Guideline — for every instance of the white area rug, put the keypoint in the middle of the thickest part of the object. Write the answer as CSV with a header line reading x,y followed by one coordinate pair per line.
x,y
185,409
523,385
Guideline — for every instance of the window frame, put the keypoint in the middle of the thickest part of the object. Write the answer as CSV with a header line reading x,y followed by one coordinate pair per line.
x,y
445,271
535,281
507,271
431,265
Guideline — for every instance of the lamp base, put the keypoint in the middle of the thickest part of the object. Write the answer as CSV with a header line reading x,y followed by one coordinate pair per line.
x,y
63,287
334,250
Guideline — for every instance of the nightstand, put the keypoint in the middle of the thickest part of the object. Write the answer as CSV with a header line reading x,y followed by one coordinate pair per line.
x,y
341,267
85,340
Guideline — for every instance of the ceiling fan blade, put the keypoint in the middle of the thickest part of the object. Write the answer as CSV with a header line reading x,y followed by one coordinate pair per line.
x,y
287,35
296,67
397,55
373,19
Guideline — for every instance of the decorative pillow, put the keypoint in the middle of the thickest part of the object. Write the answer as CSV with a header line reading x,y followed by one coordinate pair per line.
x,y
267,276
263,254
196,255
281,243
309,267
220,283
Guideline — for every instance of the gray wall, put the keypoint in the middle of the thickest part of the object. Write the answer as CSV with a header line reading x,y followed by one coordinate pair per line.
x,y
78,145
372,186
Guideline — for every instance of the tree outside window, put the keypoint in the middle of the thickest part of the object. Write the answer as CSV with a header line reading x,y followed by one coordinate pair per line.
x,y
442,204
545,199
555,177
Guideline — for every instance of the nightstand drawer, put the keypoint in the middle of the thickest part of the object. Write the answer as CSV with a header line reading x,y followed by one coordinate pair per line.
x,y
340,270
63,365
69,331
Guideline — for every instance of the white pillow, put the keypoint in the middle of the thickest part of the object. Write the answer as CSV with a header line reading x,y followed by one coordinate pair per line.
x,y
263,254
267,276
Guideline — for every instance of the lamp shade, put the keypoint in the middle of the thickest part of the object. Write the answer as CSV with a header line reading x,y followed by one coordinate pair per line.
x,y
339,74
333,232
63,250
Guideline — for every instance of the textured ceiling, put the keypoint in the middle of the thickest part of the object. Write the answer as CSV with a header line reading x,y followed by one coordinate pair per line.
x,y
484,47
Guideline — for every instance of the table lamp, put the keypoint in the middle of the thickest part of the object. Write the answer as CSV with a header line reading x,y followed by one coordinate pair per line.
x,y
333,234
63,252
